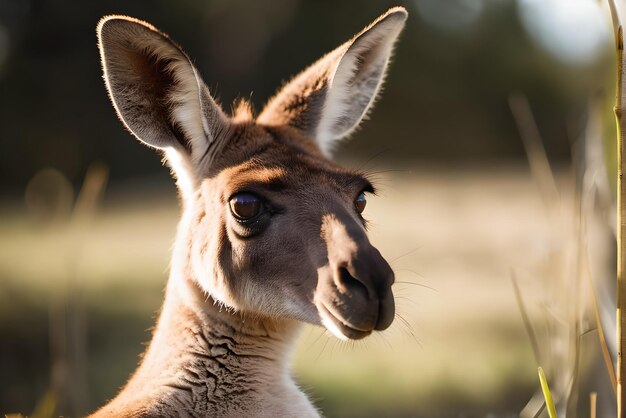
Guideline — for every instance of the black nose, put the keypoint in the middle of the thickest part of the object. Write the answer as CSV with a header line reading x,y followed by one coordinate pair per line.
x,y
368,277
386,311
352,285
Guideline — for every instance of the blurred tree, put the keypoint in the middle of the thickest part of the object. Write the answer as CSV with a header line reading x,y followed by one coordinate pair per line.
x,y
445,97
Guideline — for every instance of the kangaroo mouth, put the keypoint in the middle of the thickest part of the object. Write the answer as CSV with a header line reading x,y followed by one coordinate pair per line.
x,y
339,326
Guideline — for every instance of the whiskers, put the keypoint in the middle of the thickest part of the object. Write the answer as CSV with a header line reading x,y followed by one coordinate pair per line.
x,y
375,156
376,175
403,336
406,307
380,178
406,254
406,329
422,285
324,332
328,346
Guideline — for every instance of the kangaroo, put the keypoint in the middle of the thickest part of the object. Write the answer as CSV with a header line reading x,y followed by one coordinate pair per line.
x,y
272,233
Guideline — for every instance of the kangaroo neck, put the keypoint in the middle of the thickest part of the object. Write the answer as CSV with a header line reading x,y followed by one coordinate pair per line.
x,y
196,339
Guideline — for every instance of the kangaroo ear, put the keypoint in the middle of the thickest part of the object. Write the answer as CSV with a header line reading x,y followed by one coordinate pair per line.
x,y
155,89
329,99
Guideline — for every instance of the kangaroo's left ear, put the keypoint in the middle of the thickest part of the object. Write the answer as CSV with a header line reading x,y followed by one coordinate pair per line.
x,y
329,99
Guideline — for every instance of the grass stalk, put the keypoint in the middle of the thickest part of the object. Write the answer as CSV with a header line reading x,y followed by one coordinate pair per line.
x,y
546,393
535,151
593,402
530,330
621,211
606,355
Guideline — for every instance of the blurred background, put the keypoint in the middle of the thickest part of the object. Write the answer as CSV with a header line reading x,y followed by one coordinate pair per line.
x,y
487,248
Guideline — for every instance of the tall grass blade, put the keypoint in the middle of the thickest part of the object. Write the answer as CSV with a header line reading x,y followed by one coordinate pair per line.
x,y
535,151
621,208
606,354
534,342
593,402
546,393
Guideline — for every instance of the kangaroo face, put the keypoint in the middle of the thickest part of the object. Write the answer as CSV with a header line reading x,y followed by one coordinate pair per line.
x,y
276,228
291,238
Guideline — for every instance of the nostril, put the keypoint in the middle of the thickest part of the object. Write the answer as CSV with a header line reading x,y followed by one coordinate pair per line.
x,y
387,312
352,284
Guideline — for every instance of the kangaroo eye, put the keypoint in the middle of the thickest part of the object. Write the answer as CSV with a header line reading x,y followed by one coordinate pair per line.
x,y
360,202
245,206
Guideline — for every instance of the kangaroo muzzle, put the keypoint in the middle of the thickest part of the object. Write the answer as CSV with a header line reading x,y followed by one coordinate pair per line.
x,y
353,295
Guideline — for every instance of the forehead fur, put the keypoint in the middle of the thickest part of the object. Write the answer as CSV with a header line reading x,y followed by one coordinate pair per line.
x,y
243,111
276,158
244,141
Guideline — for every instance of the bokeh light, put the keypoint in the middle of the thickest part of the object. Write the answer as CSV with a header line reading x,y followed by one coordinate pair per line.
x,y
574,31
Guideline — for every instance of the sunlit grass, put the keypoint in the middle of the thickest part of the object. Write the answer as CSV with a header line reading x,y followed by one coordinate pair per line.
x,y
545,388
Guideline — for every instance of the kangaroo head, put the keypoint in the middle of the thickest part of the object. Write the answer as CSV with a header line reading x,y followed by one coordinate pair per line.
x,y
274,228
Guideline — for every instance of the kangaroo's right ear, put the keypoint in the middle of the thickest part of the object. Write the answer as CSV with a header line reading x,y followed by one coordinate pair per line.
x,y
155,89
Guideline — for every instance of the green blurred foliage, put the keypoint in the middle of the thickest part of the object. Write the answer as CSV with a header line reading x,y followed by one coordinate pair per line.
x,y
445,98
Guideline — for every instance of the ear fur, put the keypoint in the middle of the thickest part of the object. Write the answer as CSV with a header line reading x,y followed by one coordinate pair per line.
x,y
157,92
329,99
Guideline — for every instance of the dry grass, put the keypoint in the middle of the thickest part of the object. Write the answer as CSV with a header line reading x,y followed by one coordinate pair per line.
x,y
453,236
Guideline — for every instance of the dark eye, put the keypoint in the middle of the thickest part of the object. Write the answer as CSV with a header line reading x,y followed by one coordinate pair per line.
x,y
360,202
245,206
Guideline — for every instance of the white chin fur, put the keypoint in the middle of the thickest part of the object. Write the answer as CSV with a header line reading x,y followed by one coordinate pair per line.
x,y
330,326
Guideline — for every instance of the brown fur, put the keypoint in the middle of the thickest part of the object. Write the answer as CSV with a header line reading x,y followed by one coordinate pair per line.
x,y
238,291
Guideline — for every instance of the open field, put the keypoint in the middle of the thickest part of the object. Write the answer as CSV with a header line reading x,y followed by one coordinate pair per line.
x,y
453,235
